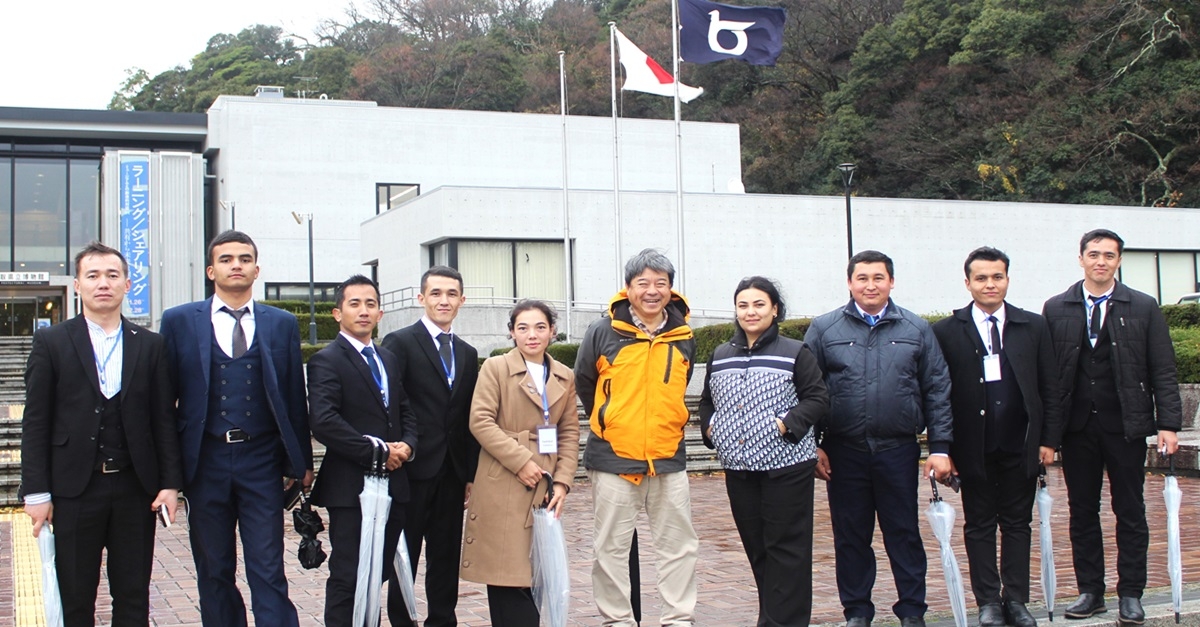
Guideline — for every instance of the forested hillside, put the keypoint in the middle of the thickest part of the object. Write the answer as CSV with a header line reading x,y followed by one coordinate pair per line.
x,y
1076,101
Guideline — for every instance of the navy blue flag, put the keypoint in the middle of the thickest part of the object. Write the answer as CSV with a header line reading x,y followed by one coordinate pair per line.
x,y
710,32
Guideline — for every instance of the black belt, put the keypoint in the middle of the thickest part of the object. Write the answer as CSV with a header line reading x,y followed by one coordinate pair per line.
x,y
233,436
109,467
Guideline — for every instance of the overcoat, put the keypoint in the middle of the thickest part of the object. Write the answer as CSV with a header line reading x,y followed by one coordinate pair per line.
x,y
505,414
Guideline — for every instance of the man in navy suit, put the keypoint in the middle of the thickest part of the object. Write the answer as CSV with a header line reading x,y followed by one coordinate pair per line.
x,y
357,401
439,370
244,433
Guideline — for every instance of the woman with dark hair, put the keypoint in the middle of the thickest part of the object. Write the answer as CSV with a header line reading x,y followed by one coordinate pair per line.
x,y
763,394
524,416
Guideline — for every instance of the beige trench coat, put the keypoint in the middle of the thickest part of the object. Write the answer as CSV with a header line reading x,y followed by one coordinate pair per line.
x,y
505,413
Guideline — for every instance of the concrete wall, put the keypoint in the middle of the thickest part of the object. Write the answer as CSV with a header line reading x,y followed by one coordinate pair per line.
x,y
324,157
798,240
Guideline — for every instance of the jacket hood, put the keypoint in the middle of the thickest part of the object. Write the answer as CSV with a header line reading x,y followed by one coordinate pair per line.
x,y
618,308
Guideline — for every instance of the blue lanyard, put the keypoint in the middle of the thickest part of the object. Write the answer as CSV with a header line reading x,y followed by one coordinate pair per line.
x,y
449,371
1090,306
102,366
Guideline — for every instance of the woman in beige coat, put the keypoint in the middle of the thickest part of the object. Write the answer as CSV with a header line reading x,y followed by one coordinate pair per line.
x,y
507,413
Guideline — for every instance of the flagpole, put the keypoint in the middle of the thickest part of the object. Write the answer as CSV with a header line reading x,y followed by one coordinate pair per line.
x,y
679,274
562,81
612,53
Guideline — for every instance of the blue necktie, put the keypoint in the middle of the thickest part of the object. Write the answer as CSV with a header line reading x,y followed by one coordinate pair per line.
x,y
871,320
369,353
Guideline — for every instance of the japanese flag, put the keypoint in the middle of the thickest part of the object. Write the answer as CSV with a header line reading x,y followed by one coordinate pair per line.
x,y
645,74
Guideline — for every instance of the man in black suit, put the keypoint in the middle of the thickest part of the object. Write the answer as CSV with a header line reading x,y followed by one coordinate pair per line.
x,y
1004,395
243,429
355,399
1117,369
438,370
99,447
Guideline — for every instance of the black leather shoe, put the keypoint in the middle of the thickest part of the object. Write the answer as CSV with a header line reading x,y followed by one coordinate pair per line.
x,y
1086,605
912,621
858,621
1131,611
1016,614
991,615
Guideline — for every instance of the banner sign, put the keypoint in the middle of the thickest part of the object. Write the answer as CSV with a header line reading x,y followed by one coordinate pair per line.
x,y
135,230
24,278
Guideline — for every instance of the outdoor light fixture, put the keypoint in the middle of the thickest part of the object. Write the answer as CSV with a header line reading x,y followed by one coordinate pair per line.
x,y
847,170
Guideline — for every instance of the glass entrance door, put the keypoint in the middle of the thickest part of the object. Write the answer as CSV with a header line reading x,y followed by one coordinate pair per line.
x,y
18,316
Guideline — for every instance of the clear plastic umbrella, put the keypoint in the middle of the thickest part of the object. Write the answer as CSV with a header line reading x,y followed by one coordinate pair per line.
x,y
1173,496
548,554
375,503
403,566
50,593
941,518
1045,507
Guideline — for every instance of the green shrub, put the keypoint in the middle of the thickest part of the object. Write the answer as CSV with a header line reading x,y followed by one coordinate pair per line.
x,y
1182,315
1187,353
308,350
709,338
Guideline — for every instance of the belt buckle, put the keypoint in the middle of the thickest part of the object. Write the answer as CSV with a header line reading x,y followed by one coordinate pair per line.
x,y
234,436
106,469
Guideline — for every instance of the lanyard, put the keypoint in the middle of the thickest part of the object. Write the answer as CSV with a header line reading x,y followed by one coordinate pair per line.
x,y
449,371
102,366
545,382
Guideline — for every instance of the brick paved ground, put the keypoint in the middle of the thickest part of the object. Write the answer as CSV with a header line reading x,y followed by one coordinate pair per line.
x,y
726,592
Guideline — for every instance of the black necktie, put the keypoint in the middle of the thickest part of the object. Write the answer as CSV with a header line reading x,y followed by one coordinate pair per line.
x,y
369,353
995,334
447,355
239,334
1097,316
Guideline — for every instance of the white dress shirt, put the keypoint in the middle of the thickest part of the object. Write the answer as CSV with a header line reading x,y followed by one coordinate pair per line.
x,y
359,346
985,328
223,322
1102,309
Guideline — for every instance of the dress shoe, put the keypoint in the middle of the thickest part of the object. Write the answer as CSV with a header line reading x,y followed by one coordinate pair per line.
x,y
1131,611
912,621
1086,605
1016,614
991,615
858,621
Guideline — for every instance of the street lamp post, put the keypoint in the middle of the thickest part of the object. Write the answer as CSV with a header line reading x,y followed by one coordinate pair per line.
x,y
847,170
312,302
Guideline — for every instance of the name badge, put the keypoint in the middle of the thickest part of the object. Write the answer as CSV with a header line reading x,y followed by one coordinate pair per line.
x,y
991,368
548,439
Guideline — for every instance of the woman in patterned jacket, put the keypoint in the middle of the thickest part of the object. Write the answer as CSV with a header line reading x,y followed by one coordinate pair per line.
x,y
762,396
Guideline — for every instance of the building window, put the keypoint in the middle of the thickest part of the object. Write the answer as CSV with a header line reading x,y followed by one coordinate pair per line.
x,y
1165,275
502,272
49,206
322,292
388,196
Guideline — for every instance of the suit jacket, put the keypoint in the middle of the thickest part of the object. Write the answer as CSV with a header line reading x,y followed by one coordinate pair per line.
x,y
189,333
443,412
344,405
63,405
1029,351
1143,357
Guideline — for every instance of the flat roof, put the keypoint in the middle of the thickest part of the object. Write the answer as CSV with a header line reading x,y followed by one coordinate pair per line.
x,y
103,124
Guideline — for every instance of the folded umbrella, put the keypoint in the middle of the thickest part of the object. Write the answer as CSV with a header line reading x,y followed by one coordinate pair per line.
x,y
941,518
375,503
1173,496
548,554
1045,507
50,592
308,524
404,575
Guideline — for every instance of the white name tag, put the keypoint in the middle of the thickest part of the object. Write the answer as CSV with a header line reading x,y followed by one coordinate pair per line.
x,y
548,439
991,368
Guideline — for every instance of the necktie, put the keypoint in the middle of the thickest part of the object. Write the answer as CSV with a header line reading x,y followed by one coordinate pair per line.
x,y
447,355
1097,316
239,334
871,320
995,324
369,353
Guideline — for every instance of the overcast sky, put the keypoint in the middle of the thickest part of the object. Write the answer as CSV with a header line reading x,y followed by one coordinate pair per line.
x,y
72,54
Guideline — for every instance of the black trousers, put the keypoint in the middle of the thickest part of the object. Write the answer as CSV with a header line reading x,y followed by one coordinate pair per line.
x,y
113,514
774,517
1002,499
435,516
512,607
863,485
1086,455
345,535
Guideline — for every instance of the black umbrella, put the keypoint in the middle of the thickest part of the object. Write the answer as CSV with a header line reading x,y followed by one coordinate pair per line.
x,y
308,524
